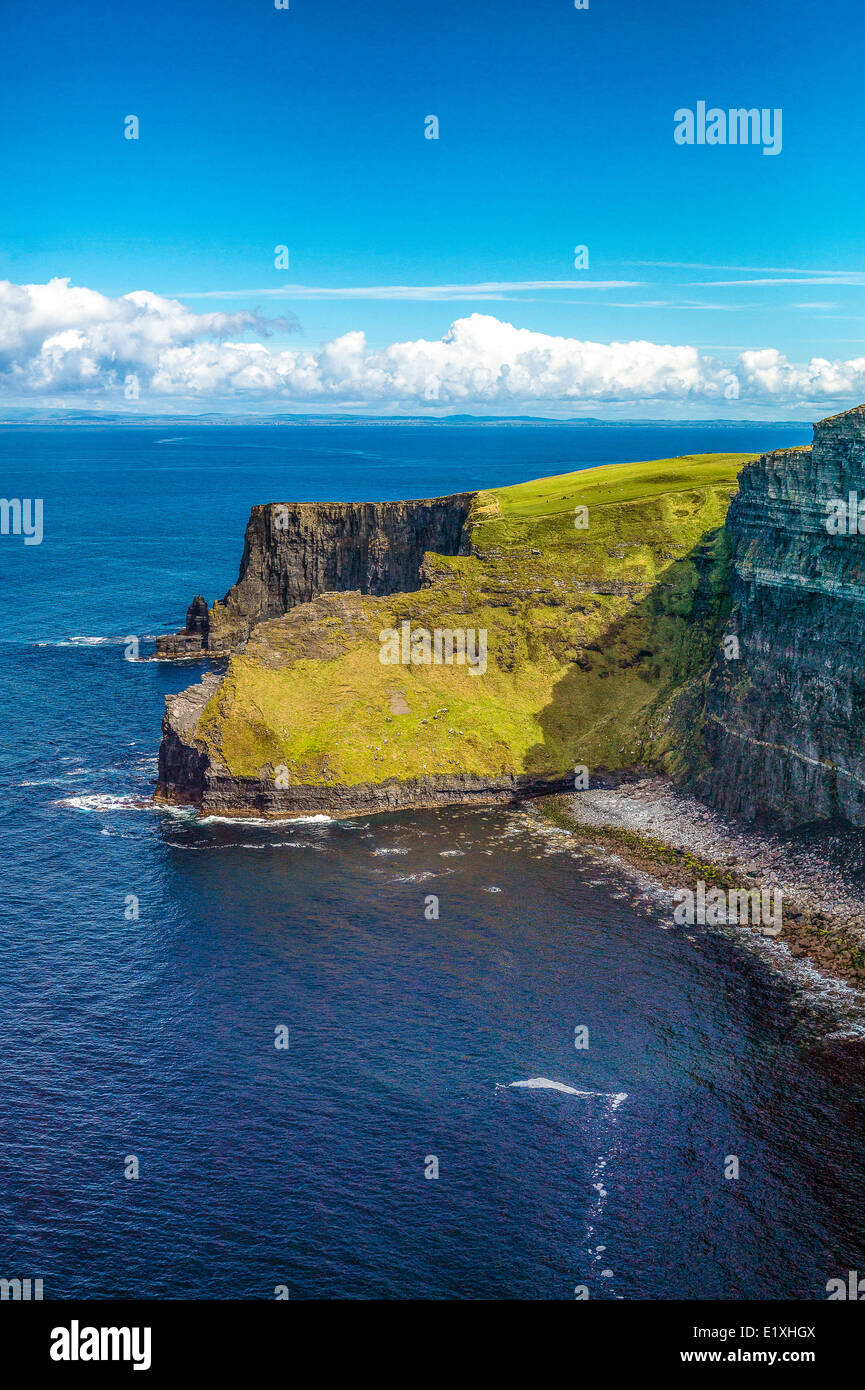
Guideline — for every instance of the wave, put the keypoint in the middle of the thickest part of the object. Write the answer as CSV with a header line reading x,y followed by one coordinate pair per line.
x,y
268,822
60,777
78,642
106,801
111,801
95,641
276,844
543,1083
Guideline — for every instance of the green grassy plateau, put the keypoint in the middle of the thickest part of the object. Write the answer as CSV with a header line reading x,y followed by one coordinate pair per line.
x,y
590,633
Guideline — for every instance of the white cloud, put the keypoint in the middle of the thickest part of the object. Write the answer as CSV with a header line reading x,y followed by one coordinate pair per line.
x,y
824,278
761,269
57,339
61,337
768,373
479,360
484,289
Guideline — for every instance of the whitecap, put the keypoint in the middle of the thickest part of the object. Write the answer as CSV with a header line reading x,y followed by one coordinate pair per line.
x,y
266,821
179,812
274,844
95,641
80,642
542,1083
104,801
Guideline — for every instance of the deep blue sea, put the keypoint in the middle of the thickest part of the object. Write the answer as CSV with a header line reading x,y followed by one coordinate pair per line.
x,y
305,1167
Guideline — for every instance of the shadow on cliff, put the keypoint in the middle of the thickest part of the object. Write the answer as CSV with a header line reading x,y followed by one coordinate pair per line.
x,y
636,664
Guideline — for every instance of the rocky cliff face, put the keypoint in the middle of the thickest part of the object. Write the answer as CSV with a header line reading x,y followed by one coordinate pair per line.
x,y
783,722
295,551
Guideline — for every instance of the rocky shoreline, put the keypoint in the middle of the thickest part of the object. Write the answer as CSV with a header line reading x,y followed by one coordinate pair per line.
x,y
679,841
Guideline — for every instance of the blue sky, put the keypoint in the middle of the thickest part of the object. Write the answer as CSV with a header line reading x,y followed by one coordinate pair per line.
x,y
305,127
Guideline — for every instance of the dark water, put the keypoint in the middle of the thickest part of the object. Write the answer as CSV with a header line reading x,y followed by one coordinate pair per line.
x,y
305,1167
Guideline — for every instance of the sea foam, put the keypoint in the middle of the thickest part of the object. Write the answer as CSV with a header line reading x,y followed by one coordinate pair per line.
x,y
542,1083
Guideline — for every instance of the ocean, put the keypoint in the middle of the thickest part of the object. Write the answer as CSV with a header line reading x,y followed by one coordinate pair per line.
x,y
430,1129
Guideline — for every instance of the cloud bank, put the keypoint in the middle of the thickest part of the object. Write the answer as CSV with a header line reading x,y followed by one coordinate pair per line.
x,y
59,340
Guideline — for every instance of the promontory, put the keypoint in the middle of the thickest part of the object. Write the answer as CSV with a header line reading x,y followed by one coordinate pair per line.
x,y
699,616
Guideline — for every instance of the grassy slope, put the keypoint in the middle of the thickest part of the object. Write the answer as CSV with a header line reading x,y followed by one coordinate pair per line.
x,y
589,633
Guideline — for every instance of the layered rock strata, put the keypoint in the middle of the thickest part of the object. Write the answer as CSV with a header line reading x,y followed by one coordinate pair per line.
x,y
783,711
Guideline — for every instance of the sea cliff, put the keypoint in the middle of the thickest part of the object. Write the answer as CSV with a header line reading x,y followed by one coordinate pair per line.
x,y
597,596
294,551
781,713
634,620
